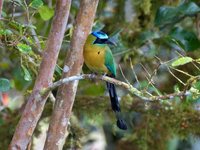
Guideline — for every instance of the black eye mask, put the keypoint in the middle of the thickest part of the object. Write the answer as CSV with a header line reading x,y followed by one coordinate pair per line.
x,y
103,41
100,41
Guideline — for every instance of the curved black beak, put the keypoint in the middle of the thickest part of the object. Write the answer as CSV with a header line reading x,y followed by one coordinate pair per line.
x,y
104,41
111,42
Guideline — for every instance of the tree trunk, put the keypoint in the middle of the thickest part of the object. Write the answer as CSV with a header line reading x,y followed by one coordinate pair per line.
x,y
35,103
73,65
1,6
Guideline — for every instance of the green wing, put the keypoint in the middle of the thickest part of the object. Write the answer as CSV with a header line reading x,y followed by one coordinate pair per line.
x,y
109,61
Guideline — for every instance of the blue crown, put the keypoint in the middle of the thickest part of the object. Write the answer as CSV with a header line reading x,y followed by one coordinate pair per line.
x,y
100,34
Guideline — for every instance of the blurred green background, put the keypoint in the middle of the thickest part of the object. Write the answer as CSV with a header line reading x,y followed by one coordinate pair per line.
x,y
158,43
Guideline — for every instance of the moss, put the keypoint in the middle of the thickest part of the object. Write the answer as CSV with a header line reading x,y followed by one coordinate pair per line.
x,y
8,124
157,125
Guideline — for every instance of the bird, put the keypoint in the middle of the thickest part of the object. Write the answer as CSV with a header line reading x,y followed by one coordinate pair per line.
x,y
98,58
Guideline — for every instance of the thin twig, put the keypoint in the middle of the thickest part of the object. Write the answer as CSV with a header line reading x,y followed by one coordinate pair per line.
x,y
183,72
145,70
136,78
195,66
175,76
52,98
170,70
150,81
120,68
37,41
27,11
191,62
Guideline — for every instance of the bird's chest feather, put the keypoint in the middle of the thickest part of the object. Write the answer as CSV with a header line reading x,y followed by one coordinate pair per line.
x,y
95,59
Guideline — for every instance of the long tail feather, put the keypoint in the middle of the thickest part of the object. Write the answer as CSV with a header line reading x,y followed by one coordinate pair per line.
x,y
113,97
115,105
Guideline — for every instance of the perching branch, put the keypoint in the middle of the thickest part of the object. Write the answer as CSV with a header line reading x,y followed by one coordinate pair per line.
x,y
36,102
129,87
73,65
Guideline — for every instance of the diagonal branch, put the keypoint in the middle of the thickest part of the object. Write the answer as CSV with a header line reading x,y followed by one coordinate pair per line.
x,y
36,102
127,86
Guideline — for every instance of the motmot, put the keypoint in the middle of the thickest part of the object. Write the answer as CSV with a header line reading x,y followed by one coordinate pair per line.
x,y
98,58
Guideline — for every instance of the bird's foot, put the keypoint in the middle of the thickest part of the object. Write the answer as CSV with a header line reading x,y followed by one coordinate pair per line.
x,y
93,75
105,74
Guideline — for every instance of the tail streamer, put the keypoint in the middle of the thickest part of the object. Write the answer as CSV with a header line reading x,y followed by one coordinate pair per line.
x,y
115,105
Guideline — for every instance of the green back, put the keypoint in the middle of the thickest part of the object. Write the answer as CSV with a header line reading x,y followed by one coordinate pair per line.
x,y
109,61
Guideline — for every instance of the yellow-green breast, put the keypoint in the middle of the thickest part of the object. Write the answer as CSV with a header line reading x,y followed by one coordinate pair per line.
x,y
94,55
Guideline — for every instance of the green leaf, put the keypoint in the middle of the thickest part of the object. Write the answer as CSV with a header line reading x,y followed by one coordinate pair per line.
x,y
4,85
24,48
3,14
31,26
147,35
189,8
166,14
46,13
182,61
5,32
16,25
18,79
186,40
197,85
58,70
27,75
36,4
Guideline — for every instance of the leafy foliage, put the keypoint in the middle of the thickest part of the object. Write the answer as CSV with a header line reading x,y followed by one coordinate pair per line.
x,y
182,61
24,48
46,13
27,75
36,3
188,41
4,85
166,14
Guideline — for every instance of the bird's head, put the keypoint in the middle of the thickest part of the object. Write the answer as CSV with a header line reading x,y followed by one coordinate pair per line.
x,y
101,38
